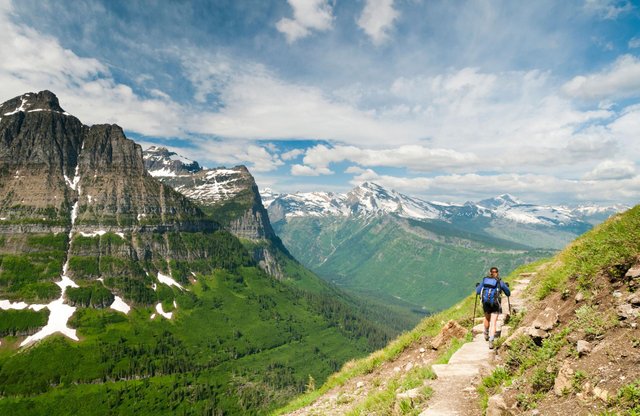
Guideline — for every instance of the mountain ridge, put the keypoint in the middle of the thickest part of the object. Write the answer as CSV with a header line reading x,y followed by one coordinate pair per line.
x,y
119,294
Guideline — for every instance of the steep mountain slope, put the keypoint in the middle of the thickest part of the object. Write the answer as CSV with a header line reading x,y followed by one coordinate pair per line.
x,y
571,347
412,254
230,196
119,295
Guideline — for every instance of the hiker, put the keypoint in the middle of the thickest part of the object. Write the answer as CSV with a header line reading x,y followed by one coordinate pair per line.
x,y
489,290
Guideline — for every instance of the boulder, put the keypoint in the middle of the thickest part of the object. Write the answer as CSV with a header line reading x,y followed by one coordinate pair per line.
x,y
634,299
633,272
451,330
546,320
498,406
564,380
579,297
583,347
537,334
601,394
626,311
517,333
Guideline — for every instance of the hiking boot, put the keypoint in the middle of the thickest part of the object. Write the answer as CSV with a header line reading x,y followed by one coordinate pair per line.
x,y
491,343
486,335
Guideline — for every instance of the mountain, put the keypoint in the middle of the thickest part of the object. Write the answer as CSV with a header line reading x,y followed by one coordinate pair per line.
x,y
411,253
120,295
229,195
570,345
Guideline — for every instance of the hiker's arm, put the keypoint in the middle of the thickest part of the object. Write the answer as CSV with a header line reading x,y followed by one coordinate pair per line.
x,y
478,288
505,288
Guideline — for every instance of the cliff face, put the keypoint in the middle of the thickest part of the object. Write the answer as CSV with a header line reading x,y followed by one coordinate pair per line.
x,y
81,197
231,196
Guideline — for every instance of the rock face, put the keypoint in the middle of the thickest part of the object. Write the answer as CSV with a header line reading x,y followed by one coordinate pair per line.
x,y
231,196
81,196
49,160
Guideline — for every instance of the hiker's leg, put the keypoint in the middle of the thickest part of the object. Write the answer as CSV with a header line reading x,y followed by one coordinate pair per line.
x,y
487,317
493,324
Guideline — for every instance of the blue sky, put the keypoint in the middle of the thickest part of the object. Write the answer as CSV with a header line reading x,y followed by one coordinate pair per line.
x,y
445,100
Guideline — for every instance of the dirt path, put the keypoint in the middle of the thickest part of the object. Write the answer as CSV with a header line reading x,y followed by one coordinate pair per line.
x,y
454,391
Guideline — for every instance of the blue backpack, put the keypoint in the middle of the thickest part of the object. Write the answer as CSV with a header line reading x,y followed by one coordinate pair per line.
x,y
490,293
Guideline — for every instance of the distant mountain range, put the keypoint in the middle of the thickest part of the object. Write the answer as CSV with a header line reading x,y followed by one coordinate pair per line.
x,y
372,199
415,254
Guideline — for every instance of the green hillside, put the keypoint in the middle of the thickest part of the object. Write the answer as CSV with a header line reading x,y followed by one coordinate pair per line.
x,y
425,267
595,268
240,342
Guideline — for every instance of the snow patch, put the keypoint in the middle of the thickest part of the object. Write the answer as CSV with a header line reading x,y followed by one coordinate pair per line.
x,y
73,184
159,309
93,234
74,214
19,109
6,304
162,172
120,305
168,280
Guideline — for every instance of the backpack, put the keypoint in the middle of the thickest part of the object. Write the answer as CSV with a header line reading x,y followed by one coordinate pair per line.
x,y
490,293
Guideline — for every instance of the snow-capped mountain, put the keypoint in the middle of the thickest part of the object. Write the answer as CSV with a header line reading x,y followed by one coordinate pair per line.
x,y
373,199
206,186
161,162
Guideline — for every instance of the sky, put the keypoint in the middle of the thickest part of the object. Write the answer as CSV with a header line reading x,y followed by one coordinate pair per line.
x,y
446,100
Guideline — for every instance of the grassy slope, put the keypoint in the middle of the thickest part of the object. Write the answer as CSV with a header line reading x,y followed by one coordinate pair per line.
x,y
239,342
610,248
428,267
427,328
602,255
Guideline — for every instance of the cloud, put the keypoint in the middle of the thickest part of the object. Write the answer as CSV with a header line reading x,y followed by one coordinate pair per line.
x,y
292,154
215,152
621,79
532,187
85,87
634,43
612,170
377,19
301,170
608,9
307,15
413,157
259,105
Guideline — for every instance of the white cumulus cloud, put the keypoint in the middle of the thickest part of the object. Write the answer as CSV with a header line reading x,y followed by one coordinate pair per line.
x,y
621,79
302,170
612,170
377,19
307,15
413,157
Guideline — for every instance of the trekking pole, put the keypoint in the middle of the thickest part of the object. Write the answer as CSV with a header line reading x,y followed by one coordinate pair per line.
x,y
475,303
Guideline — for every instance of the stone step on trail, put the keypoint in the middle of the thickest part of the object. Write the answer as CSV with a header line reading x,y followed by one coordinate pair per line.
x,y
454,392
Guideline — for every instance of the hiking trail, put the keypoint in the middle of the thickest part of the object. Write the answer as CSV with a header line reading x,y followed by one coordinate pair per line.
x,y
454,391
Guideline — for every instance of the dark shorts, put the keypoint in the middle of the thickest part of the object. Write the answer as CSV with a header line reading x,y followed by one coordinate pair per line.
x,y
491,307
